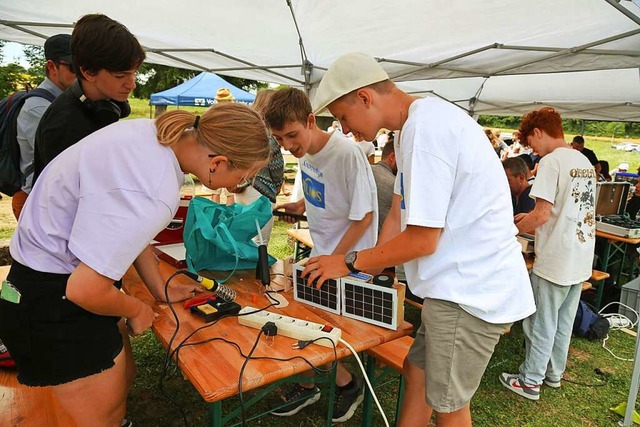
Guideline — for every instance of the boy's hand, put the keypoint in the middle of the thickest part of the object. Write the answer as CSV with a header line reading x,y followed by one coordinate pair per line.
x,y
319,269
295,208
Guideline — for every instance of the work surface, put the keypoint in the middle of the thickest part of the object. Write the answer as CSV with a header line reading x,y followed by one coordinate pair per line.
x,y
214,368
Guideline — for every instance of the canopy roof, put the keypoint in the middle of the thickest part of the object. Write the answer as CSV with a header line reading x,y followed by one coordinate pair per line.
x,y
464,42
199,91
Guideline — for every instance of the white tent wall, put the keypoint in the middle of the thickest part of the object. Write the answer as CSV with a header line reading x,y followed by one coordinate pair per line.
x,y
452,44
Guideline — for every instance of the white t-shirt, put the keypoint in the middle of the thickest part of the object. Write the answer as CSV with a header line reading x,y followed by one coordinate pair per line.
x,y
338,188
450,178
566,242
367,147
100,202
382,140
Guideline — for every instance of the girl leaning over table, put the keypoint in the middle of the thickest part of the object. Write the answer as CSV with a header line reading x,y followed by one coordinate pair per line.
x,y
90,216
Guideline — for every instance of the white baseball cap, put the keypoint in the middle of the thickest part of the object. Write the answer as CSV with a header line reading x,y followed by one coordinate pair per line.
x,y
623,166
347,73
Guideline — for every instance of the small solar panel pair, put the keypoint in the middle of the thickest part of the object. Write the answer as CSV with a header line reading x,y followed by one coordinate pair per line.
x,y
352,297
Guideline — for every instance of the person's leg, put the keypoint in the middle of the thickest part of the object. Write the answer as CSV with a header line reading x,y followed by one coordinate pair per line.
x,y
97,400
540,329
566,315
459,418
414,410
130,371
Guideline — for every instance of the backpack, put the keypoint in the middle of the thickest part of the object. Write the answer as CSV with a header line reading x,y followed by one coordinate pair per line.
x,y
5,358
589,324
11,179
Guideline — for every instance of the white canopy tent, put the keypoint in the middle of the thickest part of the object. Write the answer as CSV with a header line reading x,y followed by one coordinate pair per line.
x,y
487,56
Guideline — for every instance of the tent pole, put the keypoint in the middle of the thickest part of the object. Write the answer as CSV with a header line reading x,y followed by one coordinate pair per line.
x,y
624,11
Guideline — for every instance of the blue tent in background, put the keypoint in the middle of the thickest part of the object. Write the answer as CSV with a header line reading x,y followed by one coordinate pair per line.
x,y
200,91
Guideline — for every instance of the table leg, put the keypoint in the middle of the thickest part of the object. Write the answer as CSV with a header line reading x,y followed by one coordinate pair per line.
x,y
215,414
332,395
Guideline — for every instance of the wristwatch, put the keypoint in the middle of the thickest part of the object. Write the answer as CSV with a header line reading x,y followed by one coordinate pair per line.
x,y
350,259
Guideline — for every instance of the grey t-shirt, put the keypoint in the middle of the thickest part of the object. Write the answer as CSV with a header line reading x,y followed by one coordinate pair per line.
x,y
384,181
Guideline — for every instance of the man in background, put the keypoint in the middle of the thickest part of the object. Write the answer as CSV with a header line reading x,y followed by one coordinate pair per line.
x,y
578,144
517,175
384,173
60,74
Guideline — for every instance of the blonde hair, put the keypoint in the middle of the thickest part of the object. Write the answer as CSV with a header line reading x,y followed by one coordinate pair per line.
x,y
230,129
263,97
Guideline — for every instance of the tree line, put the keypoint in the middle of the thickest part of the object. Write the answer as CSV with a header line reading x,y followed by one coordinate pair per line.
x,y
571,126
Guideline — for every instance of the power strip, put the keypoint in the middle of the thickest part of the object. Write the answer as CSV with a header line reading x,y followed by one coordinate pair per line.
x,y
290,326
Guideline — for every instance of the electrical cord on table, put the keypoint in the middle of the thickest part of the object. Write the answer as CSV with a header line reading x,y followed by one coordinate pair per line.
x,y
170,354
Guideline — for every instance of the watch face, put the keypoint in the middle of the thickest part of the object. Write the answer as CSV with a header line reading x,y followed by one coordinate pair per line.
x,y
350,258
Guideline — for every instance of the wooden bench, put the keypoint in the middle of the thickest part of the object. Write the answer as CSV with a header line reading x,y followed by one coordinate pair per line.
x,y
28,406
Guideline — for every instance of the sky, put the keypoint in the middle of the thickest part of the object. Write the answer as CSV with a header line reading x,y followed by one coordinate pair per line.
x,y
12,52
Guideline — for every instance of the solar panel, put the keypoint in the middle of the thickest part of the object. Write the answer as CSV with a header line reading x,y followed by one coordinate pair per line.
x,y
327,297
370,303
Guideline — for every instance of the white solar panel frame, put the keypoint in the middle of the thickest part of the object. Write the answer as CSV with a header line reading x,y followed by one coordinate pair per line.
x,y
390,291
297,270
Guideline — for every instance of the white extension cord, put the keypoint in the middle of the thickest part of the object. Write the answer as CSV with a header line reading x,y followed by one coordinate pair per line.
x,y
364,375
617,321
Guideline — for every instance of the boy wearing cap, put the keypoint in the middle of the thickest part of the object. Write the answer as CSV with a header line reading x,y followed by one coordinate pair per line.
x,y
564,222
106,57
342,210
59,76
450,224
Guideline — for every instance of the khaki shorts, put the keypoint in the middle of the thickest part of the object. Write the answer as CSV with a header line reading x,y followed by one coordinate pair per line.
x,y
453,348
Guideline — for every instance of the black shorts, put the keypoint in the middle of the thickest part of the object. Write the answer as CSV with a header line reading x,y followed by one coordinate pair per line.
x,y
52,340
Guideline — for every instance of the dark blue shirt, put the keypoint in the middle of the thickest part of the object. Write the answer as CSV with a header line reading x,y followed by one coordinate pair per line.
x,y
524,203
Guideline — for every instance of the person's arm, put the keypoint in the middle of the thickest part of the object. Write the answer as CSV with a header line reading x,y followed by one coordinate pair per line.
x,y
293,207
414,242
146,264
96,293
352,235
527,223
391,226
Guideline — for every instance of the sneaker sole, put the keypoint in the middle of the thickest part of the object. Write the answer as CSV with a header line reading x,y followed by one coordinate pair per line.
x,y
294,411
519,391
552,384
351,411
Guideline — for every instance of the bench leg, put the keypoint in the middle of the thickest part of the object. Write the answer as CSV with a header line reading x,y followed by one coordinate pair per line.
x,y
400,397
600,293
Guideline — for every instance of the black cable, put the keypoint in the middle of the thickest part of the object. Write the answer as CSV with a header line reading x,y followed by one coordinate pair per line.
x,y
599,374
244,365
165,364
174,354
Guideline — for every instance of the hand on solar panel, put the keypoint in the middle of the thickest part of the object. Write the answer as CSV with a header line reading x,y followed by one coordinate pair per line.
x,y
319,269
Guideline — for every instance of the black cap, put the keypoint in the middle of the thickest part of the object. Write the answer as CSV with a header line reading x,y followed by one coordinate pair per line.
x,y
58,48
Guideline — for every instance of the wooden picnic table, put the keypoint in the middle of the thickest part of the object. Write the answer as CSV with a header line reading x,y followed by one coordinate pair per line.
x,y
213,368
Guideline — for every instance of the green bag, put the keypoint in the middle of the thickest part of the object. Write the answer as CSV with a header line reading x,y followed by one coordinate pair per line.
x,y
218,237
